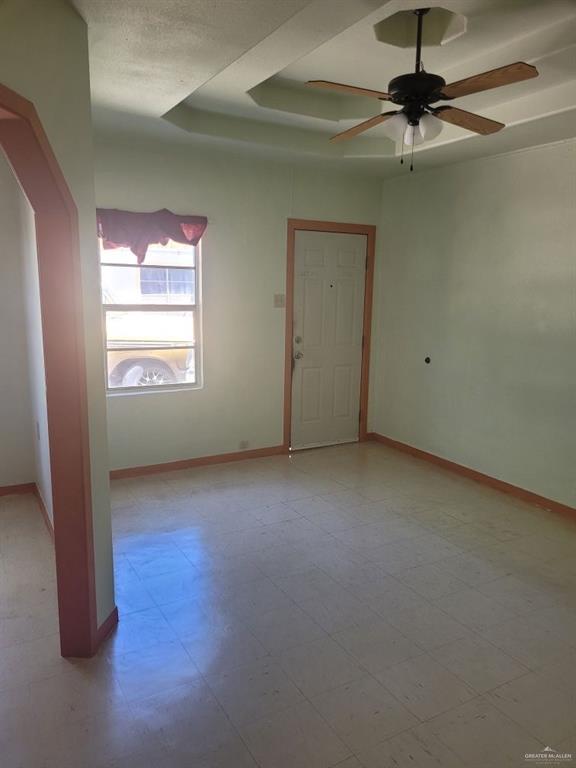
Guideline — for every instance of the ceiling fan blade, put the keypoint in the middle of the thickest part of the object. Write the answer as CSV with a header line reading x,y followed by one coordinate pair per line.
x,y
361,127
352,89
468,120
512,73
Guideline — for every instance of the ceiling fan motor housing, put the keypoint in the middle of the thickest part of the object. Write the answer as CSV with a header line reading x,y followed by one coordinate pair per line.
x,y
415,91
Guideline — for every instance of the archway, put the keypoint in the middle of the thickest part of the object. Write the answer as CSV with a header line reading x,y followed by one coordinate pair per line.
x,y
28,150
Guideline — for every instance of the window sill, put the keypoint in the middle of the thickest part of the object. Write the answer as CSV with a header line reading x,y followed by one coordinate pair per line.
x,y
169,388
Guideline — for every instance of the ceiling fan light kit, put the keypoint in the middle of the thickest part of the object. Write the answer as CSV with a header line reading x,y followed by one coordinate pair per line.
x,y
417,93
430,126
413,136
396,126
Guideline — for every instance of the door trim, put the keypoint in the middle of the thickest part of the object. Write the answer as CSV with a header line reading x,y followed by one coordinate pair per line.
x,y
25,144
369,230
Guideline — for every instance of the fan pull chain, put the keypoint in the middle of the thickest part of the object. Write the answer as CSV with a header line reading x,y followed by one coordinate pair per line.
x,y
412,158
402,152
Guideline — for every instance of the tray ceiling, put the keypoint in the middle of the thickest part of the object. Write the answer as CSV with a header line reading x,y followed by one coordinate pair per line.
x,y
235,73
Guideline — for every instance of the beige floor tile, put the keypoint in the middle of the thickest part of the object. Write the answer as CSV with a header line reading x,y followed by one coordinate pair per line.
x,y
186,617
430,581
329,551
319,666
425,624
309,585
161,667
411,553
138,631
233,755
473,609
345,499
255,691
363,713
335,613
15,710
544,548
131,594
294,577
222,648
377,645
410,748
350,762
156,560
166,588
283,560
470,538
283,628
297,530
85,690
312,506
425,687
332,519
29,661
186,719
157,758
436,520
478,663
360,579
561,671
250,600
29,623
547,713
276,513
472,569
527,641
567,748
19,594
295,738
367,538
560,619
93,741
481,735
231,570
518,595
390,596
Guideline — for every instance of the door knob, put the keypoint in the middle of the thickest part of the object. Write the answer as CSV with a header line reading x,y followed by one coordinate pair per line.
x,y
298,355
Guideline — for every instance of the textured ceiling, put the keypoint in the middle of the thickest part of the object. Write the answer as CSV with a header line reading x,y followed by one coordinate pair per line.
x,y
147,55
233,72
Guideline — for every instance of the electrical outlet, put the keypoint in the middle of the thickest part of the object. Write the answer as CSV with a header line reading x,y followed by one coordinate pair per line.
x,y
279,300
243,444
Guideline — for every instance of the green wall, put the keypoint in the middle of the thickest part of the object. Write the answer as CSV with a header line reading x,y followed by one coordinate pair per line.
x,y
477,269
248,202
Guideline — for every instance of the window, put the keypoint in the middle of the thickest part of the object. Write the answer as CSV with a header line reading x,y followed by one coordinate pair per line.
x,y
151,316
165,280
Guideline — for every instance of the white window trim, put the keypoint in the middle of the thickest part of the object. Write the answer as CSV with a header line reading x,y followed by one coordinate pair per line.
x,y
195,308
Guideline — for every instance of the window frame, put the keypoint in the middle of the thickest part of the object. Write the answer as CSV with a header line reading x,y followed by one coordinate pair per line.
x,y
194,308
167,280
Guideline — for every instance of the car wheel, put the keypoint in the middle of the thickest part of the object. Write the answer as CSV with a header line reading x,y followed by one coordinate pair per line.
x,y
147,373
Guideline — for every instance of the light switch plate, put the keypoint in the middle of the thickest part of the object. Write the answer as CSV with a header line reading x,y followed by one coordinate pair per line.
x,y
279,300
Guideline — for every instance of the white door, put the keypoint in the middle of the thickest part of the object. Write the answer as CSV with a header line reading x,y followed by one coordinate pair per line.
x,y
329,278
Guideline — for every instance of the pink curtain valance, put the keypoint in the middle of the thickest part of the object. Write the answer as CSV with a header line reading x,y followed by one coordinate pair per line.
x,y
126,229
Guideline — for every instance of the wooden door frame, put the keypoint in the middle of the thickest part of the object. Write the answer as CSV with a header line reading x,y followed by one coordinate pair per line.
x,y
28,150
369,230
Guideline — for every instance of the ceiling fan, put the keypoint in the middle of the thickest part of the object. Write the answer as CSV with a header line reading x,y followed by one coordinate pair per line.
x,y
417,92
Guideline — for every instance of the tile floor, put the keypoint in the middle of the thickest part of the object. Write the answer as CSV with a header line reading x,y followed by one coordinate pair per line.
x,y
348,607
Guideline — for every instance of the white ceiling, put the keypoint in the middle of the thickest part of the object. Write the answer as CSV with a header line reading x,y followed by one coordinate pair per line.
x,y
233,72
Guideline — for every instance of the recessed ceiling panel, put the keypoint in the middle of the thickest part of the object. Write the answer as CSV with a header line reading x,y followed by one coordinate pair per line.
x,y
440,27
237,72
